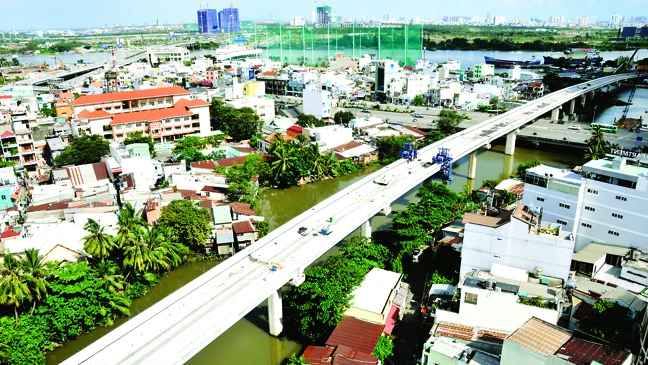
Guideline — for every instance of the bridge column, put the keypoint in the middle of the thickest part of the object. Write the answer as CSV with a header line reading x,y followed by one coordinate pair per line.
x,y
572,106
365,229
510,142
555,114
583,100
275,312
472,165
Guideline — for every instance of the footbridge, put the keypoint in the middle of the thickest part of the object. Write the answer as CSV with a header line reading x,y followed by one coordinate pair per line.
x,y
176,328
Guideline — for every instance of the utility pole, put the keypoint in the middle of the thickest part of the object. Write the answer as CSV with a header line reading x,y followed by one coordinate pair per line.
x,y
280,45
304,44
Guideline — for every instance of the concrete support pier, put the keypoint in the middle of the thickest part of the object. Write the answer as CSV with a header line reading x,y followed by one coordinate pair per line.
x,y
572,106
583,100
275,313
510,142
472,165
555,114
365,229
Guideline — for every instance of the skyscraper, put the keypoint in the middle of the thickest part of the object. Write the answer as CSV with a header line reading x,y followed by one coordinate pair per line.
x,y
615,19
323,16
228,20
207,21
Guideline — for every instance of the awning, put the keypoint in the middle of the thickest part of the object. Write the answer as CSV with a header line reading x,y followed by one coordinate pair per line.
x,y
392,317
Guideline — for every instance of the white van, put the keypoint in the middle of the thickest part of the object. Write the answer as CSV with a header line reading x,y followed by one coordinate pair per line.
x,y
574,127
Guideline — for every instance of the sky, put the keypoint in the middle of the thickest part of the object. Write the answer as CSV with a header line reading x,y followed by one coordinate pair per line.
x,y
47,14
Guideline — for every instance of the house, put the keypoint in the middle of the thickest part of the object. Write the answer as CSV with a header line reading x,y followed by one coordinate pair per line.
x,y
356,151
245,232
538,342
229,162
340,355
6,192
153,209
504,298
481,338
222,216
443,351
224,241
242,211
356,334
517,238
264,144
373,300
203,167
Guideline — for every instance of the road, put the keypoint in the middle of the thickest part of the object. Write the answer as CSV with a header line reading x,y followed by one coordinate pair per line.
x,y
176,328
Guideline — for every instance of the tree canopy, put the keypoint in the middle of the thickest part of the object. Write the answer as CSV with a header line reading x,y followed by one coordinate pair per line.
x,y
389,148
448,120
239,124
83,150
524,166
343,117
189,222
307,120
610,322
597,145
138,137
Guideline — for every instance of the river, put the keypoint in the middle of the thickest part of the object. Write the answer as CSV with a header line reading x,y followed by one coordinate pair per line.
x,y
248,342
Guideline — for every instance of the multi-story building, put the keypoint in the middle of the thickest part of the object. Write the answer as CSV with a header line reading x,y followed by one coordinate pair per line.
x,y
483,70
159,55
616,19
228,19
416,84
164,114
207,21
323,16
386,72
298,21
264,107
26,149
604,204
317,103
635,32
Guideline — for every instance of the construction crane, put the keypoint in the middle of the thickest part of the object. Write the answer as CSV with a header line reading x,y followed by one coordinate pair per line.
x,y
42,66
624,66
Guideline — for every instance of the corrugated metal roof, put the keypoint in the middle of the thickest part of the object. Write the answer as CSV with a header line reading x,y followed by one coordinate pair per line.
x,y
540,337
354,333
581,352
594,251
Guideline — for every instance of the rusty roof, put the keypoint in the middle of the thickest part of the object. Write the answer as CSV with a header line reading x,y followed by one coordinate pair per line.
x,y
86,114
129,95
242,208
318,355
243,149
356,334
207,164
540,337
227,162
345,355
347,146
581,352
243,227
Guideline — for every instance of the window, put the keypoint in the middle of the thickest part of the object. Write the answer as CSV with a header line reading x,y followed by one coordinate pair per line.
x,y
591,209
129,126
540,199
613,233
186,119
176,119
160,101
566,206
470,298
138,124
561,222
617,216
118,127
4,197
592,191
151,103
622,198
586,225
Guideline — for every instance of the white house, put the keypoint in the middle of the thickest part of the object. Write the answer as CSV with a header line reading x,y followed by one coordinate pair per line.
x,y
330,136
317,103
264,107
517,239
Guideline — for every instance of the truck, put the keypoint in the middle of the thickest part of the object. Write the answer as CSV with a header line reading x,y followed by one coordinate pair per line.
x,y
326,230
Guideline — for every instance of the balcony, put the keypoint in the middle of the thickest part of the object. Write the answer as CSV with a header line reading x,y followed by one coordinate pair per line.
x,y
29,162
25,140
27,151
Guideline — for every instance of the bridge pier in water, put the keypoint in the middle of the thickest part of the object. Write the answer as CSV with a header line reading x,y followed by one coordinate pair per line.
x,y
510,142
472,165
275,313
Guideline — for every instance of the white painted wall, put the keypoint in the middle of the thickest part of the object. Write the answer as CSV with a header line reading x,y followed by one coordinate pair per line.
x,y
551,210
512,245
143,171
317,103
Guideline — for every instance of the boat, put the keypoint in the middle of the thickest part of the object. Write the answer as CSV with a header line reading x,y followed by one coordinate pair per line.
x,y
508,63
576,57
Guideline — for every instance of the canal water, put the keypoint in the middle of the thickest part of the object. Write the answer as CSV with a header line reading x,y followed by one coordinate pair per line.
x,y
639,107
248,342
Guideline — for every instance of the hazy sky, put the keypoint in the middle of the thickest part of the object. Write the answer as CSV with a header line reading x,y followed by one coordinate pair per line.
x,y
42,14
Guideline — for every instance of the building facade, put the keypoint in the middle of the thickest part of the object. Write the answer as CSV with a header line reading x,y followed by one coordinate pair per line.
x,y
318,103
207,21
159,55
228,20
323,16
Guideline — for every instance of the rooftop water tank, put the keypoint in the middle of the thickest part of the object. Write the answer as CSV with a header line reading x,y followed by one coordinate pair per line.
x,y
537,271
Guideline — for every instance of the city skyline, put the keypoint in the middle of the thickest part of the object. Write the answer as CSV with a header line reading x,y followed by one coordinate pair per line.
x,y
82,14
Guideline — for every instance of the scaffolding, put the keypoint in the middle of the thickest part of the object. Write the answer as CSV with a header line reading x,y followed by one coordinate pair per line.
x,y
444,158
409,152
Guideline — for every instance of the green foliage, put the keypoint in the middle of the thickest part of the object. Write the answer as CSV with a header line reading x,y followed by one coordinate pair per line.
x,y
539,302
307,120
439,279
524,166
138,137
97,243
290,162
188,222
389,148
7,164
188,149
48,111
596,145
418,100
491,183
294,360
343,118
26,341
416,225
384,348
448,121
239,124
241,186
431,137
263,227
83,150
611,322
15,62
325,295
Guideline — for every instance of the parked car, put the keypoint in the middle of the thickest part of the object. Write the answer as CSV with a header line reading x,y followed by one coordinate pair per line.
x,y
416,254
303,231
365,110
417,115
574,127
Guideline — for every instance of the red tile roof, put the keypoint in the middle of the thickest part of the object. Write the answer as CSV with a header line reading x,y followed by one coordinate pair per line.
x,y
209,164
581,352
296,128
356,334
49,206
347,146
285,137
86,114
415,130
150,115
243,149
190,103
227,162
318,355
7,134
9,232
455,331
491,336
129,95
269,73
243,227
242,208
5,96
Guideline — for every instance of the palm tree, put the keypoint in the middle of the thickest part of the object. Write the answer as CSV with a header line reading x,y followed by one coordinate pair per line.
x,y
3,62
97,243
107,271
32,264
330,164
319,170
138,255
14,289
282,160
128,221
597,144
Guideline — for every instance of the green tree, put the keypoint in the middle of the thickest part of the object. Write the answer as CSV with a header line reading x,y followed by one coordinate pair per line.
x,y
239,177
48,111
524,166
25,342
610,322
32,264
263,227
129,222
188,149
188,222
108,272
307,120
295,360
239,124
3,62
97,243
418,100
83,150
282,162
430,137
596,145
439,279
389,148
384,348
14,286
448,121
138,137
15,62
343,117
